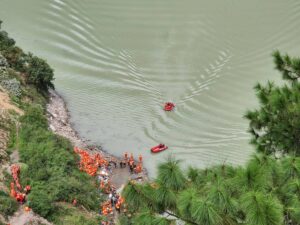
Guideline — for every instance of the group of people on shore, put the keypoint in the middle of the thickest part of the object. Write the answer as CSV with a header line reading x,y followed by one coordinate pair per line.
x,y
115,199
16,190
133,166
102,167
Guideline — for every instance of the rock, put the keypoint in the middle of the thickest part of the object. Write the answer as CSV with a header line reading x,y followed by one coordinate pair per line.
x,y
3,61
52,127
3,155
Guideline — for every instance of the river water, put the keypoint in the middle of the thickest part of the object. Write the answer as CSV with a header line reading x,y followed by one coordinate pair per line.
x,y
117,61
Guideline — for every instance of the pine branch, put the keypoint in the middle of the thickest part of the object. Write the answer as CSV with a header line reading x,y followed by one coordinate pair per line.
x,y
164,211
184,219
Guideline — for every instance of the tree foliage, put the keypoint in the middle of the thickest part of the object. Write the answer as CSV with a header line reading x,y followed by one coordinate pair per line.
x,y
40,73
52,167
275,126
268,196
289,67
36,71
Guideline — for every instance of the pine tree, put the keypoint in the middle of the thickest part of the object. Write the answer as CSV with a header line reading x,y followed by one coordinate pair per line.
x,y
275,126
254,194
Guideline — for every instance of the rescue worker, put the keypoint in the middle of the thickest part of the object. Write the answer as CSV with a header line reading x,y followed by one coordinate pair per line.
x,y
131,166
104,210
13,193
126,156
27,189
102,185
131,157
118,207
138,168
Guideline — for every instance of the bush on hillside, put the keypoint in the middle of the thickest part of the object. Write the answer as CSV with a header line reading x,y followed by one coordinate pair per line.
x,y
52,167
79,220
36,70
39,72
13,86
7,204
40,200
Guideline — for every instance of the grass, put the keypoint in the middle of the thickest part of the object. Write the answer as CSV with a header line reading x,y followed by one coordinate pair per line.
x,y
7,204
52,169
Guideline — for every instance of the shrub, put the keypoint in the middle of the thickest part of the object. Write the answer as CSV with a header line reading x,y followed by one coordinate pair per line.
x,y
5,41
7,204
52,169
3,61
78,220
37,70
40,200
39,73
13,86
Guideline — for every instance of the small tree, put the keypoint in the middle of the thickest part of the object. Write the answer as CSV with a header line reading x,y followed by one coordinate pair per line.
x,y
275,126
39,73
37,70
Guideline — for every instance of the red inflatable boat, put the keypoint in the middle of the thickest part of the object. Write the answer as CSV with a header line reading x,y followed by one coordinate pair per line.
x,y
169,106
159,148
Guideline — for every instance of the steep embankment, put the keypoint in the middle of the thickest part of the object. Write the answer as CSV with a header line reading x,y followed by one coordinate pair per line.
x,y
9,117
8,114
47,162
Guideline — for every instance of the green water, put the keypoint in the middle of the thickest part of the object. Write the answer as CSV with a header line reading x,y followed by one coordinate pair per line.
x,y
116,62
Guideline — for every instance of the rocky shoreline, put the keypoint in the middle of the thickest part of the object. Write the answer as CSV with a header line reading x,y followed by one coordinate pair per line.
x,y
58,119
59,122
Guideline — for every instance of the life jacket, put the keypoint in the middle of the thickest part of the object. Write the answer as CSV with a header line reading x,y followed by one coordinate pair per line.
x,y
13,193
104,211
102,184
131,157
27,189
20,197
138,169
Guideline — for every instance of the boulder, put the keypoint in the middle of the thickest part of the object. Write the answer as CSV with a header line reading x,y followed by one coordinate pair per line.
x,y
3,61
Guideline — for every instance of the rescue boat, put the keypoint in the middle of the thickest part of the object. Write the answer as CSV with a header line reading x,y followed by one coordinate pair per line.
x,y
159,148
169,106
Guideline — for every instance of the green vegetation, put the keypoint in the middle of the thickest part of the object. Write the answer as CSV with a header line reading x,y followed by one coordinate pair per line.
x,y
35,71
266,191
72,216
48,163
275,126
7,205
263,192
52,170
